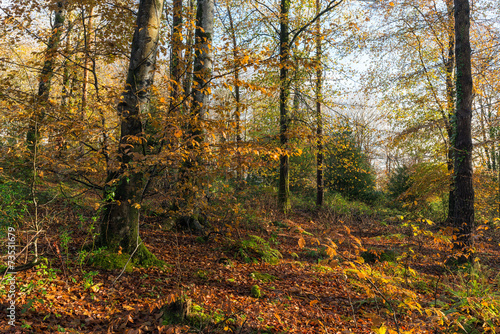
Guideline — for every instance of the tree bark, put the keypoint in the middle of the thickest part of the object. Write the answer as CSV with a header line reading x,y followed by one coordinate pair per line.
x,y
176,55
237,100
87,28
188,58
123,191
202,66
44,84
319,116
450,97
464,191
284,58
202,73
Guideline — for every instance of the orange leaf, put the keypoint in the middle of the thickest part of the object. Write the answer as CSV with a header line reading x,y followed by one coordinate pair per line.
x,y
302,242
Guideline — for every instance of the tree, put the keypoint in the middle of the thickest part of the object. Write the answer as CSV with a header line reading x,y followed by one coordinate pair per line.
x,y
176,55
319,116
284,55
348,171
464,191
286,40
203,62
44,84
124,187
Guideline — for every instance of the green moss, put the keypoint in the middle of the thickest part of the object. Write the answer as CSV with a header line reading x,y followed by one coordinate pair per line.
x,y
255,248
144,258
106,260
255,291
263,277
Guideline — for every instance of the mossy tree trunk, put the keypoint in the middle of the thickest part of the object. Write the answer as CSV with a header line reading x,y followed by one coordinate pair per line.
x,y
464,191
124,187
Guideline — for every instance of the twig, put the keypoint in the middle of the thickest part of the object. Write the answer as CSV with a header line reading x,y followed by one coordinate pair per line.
x,y
128,261
350,301
436,290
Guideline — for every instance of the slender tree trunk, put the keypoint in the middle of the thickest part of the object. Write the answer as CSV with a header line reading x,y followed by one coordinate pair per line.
x,y
123,193
66,74
284,58
464,191
176,55
87,28
202,72
188,58
237,111
450,97
202,66
319,116
42,101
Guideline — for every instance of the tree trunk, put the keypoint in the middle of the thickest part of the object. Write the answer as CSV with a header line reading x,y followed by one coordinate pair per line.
x,y
464,192
176,55
284,57
450,124
42,101
237,111
202,72
202,66
188,58
87,28
123,192
65,94
319,116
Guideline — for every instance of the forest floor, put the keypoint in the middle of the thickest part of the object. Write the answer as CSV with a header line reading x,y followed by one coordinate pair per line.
x,y
351,273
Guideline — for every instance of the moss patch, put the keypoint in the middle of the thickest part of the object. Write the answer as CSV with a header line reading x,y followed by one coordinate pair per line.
x,y
263,277
255,292
144,258
107,260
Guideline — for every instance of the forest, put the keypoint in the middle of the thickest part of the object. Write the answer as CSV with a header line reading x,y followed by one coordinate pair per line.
x,y
260,166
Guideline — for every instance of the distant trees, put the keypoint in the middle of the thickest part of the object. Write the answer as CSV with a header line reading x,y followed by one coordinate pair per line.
x,y
347,168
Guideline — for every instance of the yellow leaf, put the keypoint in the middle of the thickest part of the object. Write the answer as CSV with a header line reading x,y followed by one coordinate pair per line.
x,y
95,287
391,4
381,330
178,133
330,251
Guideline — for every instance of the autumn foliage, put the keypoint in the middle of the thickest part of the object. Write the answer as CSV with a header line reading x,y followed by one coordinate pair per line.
x,y
249,167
